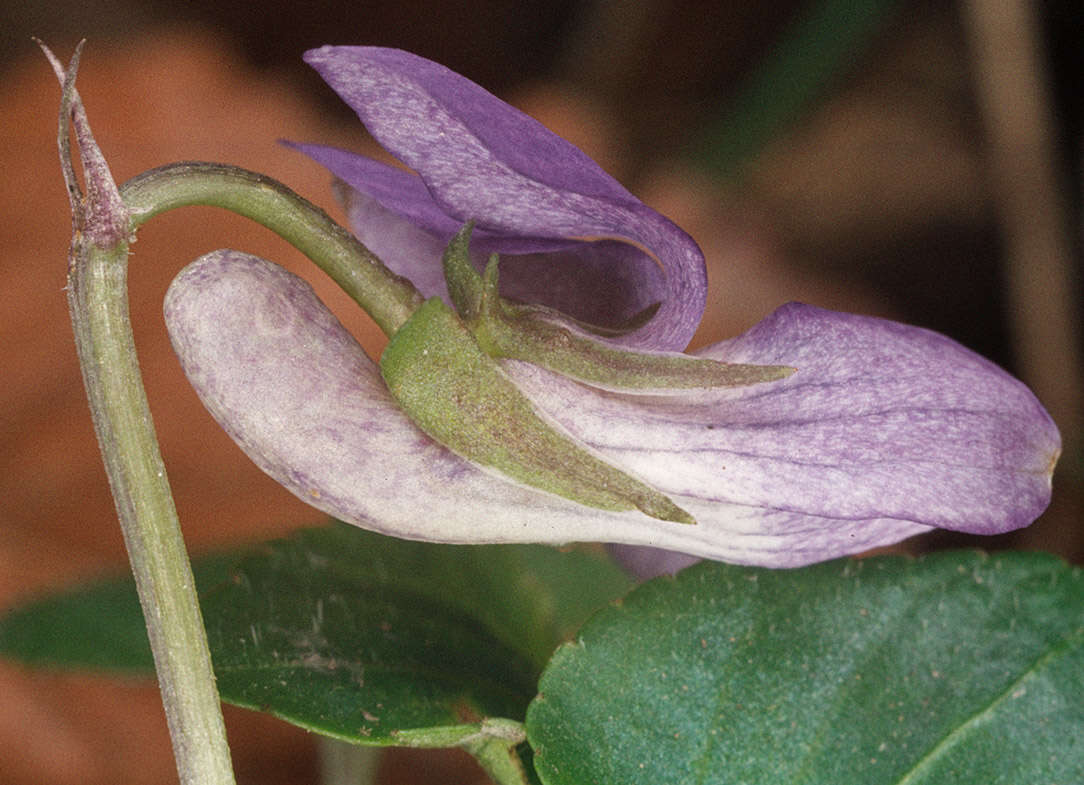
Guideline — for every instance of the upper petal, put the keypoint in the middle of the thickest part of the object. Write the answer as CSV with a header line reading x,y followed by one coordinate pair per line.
x,y
603,283
483,160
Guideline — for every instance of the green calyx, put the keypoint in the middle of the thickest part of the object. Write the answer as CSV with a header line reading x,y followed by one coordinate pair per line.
x,y
458,395
547,338
442,368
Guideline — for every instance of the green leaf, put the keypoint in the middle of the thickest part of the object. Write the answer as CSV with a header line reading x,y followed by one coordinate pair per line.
x,y
97,626
352,634
955,668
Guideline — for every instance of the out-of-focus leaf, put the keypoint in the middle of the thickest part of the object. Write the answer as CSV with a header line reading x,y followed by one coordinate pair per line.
x,y
349,633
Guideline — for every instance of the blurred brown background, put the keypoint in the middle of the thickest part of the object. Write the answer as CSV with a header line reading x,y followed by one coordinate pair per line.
x,y
906,188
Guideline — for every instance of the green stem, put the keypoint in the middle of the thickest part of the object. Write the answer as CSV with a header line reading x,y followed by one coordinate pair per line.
x,y
500,761
98,301
104,222
389,299
492,743
97,296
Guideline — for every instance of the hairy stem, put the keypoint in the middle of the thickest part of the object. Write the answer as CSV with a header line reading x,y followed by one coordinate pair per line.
x,y
98,301
97,295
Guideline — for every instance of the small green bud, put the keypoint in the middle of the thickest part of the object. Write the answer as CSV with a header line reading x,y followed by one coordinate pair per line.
x,y
458,395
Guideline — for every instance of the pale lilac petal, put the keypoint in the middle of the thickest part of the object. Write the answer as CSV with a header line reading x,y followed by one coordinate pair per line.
x,y
400,243
883,431
302,399
645,563
483,160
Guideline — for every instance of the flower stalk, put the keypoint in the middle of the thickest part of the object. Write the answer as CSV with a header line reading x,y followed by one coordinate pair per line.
x,y
105,220
388,298
97,297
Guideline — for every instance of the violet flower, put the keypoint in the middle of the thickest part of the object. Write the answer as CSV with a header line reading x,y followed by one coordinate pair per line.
x,y
882,432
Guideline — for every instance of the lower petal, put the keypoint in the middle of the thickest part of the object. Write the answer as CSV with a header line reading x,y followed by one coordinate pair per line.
x,y
301,398
882,427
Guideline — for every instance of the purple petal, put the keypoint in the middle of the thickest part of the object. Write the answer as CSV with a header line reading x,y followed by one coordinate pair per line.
x,y
404,247
405,195
883,431
480,159
566,280
300,397
645,563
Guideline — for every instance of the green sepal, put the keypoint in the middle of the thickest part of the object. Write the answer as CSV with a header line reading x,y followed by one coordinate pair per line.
x,y
465,286
549,339
457,394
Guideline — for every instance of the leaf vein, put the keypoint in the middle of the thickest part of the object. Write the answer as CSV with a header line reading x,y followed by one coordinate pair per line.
x,y
956,735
